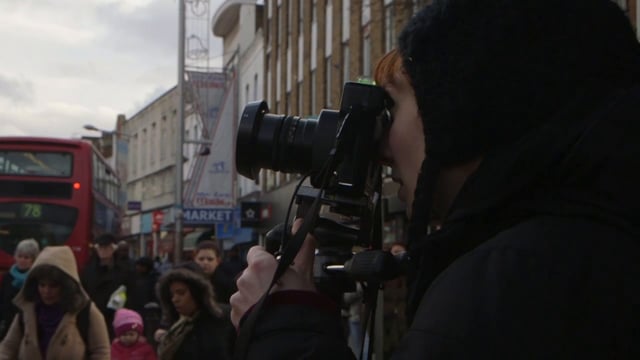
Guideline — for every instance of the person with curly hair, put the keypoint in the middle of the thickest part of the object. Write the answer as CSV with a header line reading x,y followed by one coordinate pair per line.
x,y
198,327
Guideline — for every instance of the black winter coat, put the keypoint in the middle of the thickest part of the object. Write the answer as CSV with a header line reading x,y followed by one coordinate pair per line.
x,y
538,258
101,281
7,308
210,338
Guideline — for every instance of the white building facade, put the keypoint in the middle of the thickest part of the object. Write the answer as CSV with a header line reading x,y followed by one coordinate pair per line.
x,y
151,159
239,24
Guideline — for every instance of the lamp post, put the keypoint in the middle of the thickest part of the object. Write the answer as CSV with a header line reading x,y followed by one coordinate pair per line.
x,y
177,246
180,140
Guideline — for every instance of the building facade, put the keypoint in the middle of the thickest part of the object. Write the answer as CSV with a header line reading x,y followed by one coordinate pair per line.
x,y
151,159
240,25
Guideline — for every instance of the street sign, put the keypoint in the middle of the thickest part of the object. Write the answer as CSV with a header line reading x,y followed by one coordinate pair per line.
x,y
254,213
134,205
158,217
207,216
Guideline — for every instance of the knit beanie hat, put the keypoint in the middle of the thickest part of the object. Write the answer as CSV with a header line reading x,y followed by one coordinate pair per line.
x,y
487,72
126,320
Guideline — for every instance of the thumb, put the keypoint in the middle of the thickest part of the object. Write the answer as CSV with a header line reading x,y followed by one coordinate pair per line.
x,y
303,262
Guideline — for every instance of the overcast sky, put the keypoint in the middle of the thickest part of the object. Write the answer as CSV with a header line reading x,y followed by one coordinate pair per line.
x,y
66,63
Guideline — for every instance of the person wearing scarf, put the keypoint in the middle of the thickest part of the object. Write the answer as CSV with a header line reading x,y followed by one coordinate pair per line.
x,y
199,328
49,317
25,254
50,305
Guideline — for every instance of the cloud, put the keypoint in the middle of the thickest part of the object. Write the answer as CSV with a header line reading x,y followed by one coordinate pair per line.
x,y
11,130
86,61
17,90
56,119
150,30
46,22
150,97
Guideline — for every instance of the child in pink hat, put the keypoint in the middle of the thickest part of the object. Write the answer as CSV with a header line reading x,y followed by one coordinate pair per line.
x,y
129,343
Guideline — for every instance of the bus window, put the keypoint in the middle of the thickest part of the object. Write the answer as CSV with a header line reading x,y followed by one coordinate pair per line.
x,y
47,223
55,164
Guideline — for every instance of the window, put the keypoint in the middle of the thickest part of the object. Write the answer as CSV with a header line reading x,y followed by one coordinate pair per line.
x,y
144,150
313,92
289,21
279,27
255,87
52,226
32,163
346,19
287,103
163,138
366,56
270,179
300,98
246,93
133,156
174,119
268,62
345,62
300,17
389,29
366,11
328,67
153,140
328,21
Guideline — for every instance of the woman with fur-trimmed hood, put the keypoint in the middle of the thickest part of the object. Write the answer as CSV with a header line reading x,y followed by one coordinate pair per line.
x,y
50,304
199,328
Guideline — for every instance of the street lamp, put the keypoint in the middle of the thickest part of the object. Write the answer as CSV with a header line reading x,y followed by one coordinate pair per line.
x,y
91,128
107,132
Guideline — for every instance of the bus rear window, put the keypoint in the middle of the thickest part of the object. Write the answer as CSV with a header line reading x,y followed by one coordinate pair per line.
x,y
36,163
46,223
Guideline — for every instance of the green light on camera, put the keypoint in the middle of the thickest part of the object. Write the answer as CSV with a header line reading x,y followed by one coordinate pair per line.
x,y
365,80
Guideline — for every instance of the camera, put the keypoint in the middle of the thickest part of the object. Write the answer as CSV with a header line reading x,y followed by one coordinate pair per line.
x,y
291,144
339,152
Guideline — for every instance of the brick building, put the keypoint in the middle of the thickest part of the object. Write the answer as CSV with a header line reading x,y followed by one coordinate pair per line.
x,y
311,47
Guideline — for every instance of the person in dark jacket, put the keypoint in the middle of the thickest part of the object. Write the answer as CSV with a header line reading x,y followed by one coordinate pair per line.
x,y
199,328
104,274
221,274
26,252
145,284
515,126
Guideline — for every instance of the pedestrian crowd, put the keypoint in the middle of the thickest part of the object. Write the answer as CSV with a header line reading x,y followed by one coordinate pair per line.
x,y
115,307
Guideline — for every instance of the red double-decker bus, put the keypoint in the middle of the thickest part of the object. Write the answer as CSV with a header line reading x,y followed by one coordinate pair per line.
x,y
56,191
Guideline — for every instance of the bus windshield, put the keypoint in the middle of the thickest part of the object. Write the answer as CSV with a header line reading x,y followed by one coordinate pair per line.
x,y
48,224
32,163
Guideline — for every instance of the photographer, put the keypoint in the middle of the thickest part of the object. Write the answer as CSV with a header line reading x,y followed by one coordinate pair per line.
x,y
515,124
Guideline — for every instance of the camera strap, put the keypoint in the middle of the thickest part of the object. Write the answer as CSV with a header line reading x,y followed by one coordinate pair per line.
x,y
288,255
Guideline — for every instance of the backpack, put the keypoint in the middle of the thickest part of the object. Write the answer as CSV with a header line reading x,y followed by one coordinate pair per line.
x,y
82,322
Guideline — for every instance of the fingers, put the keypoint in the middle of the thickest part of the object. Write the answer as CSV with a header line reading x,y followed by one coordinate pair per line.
x,y
253,282
303,262
254,251
237,310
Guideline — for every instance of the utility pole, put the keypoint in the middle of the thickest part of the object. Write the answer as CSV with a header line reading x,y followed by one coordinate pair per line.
x,y
177,245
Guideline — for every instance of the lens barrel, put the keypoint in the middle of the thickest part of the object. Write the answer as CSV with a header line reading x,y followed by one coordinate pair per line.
x,y
282,143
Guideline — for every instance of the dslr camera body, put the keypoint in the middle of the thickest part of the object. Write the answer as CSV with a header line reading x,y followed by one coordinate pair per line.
x,y
339,152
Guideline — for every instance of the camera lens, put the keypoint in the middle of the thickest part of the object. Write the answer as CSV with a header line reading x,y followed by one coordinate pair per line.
x,y
283,143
